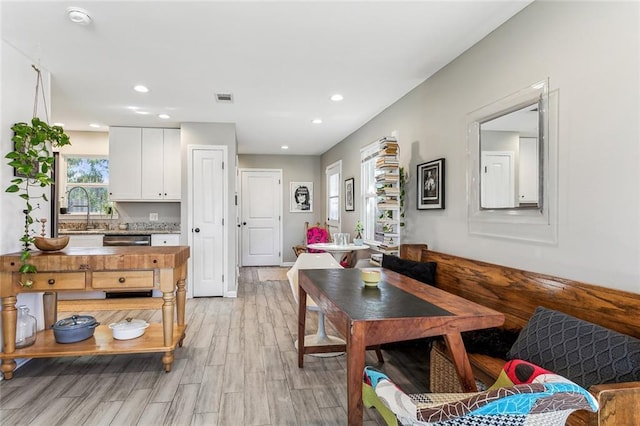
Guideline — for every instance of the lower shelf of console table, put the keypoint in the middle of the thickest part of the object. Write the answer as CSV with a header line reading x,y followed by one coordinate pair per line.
x,y
103,343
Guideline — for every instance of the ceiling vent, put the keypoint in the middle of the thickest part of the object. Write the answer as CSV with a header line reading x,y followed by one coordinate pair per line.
x,y
224,98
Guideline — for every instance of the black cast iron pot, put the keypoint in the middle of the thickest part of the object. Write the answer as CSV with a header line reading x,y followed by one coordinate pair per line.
x,y
75,328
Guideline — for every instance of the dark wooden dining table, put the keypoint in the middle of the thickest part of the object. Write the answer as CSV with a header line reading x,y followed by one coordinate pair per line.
x,y
399,308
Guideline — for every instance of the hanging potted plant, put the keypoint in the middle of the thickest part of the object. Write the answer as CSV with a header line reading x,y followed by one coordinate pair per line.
x,y
32,160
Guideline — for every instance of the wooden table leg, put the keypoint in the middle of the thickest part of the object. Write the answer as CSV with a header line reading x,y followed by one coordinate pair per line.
x,y
302,316
181,296
460,359
50,308
355,366
9,320
167,360
167,316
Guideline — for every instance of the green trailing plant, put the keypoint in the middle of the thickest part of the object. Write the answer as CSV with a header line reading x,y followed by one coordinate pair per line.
x,y
403,181
32,160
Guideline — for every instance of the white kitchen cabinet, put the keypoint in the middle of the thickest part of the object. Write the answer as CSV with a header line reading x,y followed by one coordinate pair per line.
x,y
144,164
161,165
85,240
125,156
165,239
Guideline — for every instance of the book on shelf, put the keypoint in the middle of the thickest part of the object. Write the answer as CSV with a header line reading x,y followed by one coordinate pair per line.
x,y
384,206
388,139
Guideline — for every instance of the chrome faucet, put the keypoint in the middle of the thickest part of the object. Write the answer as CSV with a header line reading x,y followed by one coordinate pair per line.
x,y
88,205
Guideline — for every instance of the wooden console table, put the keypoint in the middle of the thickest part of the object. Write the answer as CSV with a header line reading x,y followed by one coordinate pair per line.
x,y
96,269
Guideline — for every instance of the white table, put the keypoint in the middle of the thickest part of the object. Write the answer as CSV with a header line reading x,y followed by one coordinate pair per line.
x,y
337,250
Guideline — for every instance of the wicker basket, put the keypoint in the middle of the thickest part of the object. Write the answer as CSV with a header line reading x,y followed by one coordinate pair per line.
x,y
443,377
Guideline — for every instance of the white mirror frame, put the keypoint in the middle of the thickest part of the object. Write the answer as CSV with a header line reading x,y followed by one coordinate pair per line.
x,y
539,225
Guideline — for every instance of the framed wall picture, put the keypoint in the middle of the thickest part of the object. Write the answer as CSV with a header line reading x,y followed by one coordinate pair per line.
x,y
431,185
301,197
348,195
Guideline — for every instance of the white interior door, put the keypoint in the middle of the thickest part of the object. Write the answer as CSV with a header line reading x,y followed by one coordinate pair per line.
x,y
260,217
208,207
528,171
498,180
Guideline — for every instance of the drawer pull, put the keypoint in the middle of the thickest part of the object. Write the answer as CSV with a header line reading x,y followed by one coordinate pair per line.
x,y
51,281
121,280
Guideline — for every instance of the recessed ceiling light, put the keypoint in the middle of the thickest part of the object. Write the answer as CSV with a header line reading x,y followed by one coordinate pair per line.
x,y
284,147
140,88
78,16
59,124
316,121
337,97
164,116
142,112
94,125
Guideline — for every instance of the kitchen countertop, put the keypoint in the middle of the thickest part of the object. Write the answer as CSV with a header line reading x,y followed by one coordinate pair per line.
x,y
118,232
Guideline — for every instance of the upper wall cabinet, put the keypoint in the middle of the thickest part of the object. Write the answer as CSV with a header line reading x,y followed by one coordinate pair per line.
x,y
161,164
144,164
125,157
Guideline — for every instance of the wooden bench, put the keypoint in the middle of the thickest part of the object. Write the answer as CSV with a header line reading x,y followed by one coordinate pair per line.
x,y
517,293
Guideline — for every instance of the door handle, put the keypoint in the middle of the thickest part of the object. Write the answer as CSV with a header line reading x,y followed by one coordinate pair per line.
x,y
196,230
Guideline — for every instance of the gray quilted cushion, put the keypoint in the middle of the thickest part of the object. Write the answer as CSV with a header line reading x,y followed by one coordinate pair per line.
x,y
585,353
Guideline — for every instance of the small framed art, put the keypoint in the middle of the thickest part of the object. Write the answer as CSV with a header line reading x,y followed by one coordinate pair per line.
x,y
301,196
431,185
348,195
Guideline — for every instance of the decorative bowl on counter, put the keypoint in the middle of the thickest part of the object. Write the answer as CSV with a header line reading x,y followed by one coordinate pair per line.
x,y
51,244
123,226
75,328
128,328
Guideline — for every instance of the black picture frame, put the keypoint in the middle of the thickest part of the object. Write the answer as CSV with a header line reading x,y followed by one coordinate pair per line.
x,y
349,202
431,185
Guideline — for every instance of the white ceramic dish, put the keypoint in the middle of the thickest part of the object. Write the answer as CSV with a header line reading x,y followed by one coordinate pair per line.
x,y
129,328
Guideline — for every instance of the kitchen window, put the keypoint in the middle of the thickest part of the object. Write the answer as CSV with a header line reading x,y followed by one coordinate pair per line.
x,y
91,174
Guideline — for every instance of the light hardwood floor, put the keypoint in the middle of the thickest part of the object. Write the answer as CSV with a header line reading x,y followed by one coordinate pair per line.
x,y
238,366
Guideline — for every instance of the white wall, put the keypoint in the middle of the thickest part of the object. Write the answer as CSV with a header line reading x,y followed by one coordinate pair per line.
x,y
298,168
590,51
17,81
87,143
213,134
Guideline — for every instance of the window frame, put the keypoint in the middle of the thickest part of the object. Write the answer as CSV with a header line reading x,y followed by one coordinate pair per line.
x,y
335,225
64,184
368,195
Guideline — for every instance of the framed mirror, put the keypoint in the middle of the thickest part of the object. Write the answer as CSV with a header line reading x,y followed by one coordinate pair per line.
x,y
512,178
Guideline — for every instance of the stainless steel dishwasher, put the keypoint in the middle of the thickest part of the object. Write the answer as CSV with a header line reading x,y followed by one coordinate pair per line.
x,y
123,240
126,240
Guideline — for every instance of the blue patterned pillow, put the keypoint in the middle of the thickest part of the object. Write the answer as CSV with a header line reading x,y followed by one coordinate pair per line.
x,y
583,352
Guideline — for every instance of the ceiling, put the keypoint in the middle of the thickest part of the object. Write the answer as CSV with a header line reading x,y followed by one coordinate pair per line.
x,y
281,61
